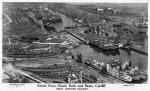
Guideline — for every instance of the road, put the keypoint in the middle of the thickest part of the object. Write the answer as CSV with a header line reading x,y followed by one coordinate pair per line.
x,y
63,43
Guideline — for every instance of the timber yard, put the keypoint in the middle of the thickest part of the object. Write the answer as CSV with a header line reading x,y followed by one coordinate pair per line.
x,y
74,43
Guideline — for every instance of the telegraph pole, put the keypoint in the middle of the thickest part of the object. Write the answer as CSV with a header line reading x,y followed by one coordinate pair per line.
x,y
81,76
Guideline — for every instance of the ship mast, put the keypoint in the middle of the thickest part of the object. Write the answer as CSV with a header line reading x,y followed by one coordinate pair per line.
x,y
9,42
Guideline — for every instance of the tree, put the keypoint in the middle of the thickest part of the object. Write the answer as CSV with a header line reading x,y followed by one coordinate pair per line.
x,y
79,58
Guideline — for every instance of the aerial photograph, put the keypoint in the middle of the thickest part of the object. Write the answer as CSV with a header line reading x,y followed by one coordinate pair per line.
x,y
49,42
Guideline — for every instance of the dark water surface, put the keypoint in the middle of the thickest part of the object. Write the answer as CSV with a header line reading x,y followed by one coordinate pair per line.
x,y
95,53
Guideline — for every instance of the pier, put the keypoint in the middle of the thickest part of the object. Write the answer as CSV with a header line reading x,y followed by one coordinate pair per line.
x,y
136,49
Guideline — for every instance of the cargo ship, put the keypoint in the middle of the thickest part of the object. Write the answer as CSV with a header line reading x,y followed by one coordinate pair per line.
x,y
104,44
94,64
123,71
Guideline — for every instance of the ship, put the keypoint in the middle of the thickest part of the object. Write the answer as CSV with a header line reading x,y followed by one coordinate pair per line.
x,y
103,44
94,64
123,71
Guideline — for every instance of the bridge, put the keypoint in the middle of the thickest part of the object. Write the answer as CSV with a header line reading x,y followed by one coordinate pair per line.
x,y
78,37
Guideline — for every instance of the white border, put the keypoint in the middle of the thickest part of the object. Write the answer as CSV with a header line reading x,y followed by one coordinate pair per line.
x,y
109,87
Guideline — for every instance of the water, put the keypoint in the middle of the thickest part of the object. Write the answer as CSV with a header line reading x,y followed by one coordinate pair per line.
x,y
95,53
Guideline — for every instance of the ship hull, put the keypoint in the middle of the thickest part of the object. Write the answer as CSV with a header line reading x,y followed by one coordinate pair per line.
x,y
124,80
141,80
